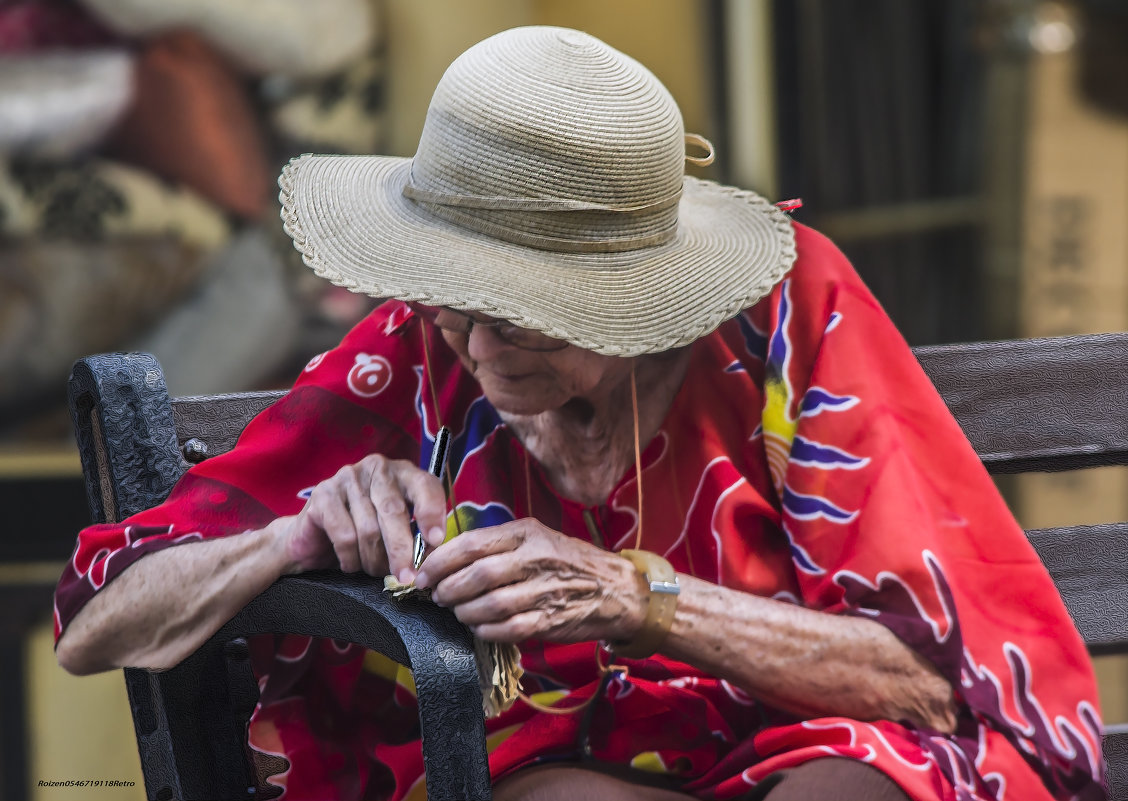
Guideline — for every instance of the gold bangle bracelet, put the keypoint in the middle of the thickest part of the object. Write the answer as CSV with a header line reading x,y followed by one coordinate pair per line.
x,y
662,602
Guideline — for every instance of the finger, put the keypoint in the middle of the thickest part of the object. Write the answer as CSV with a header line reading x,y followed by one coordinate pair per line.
x,y
425,493
370,544
562,604
387,497
327,509
479,577
498,604
468,548
518,628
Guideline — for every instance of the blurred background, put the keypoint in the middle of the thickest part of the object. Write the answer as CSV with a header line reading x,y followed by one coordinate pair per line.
x,y
970,156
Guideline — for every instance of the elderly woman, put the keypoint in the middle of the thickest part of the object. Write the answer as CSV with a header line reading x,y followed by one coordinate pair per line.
x,y
686,441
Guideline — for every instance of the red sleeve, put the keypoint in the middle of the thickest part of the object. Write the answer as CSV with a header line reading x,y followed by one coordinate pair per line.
x,y
357,399
891,515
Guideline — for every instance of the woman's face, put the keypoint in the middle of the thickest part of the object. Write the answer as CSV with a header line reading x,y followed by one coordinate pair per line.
x,y
529,382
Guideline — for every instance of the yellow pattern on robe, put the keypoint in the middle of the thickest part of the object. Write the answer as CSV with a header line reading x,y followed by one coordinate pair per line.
x,y
649,761
779,427
380,665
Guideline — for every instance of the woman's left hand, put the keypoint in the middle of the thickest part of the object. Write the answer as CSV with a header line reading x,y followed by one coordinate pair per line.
x,y
522,579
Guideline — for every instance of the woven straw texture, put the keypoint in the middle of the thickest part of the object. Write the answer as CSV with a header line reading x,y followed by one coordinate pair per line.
x,y
547,190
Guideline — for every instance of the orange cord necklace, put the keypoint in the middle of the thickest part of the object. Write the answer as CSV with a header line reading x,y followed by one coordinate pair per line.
x,y
605,670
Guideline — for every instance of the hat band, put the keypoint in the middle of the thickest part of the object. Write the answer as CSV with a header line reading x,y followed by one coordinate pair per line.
x,y
495,221
530,203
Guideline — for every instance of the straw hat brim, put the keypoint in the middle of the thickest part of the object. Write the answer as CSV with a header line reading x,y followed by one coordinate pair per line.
x,y
353,226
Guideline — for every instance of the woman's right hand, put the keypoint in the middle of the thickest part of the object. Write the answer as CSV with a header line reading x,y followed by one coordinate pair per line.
x,y
359,519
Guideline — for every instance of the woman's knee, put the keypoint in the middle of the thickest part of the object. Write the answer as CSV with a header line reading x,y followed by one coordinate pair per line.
x,y
570,783
830,779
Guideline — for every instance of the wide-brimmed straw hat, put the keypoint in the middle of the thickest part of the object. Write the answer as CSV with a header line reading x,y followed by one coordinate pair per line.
x,y
548,190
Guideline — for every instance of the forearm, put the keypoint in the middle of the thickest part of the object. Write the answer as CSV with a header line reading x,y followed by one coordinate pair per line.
x,y
168,603
804,661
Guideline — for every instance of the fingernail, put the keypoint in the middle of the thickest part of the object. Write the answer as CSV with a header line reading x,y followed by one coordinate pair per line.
x,y
421,580
405,576
435,536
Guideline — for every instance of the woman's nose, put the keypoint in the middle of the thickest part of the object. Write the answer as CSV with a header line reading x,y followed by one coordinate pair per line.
x,y
485,343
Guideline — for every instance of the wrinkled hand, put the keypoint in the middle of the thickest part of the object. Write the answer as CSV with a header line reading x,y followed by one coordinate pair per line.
x,y
358,519
522,579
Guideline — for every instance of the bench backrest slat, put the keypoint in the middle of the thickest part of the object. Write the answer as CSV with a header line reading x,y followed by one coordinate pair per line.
x,y
218,420
1090,570
1055,403
1026,405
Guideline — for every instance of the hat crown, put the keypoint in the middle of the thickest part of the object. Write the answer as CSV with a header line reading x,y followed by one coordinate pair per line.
x,y
557,118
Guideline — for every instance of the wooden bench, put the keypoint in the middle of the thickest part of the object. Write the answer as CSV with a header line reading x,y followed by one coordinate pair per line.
x,y
1026,405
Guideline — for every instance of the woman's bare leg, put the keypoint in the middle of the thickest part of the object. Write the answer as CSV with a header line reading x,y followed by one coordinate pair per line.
x,y
571,783
830,779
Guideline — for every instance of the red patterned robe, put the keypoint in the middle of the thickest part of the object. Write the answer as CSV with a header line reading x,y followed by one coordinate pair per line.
x,y
805,458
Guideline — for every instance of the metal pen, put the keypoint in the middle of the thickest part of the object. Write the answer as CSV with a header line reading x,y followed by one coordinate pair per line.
x,y
435,468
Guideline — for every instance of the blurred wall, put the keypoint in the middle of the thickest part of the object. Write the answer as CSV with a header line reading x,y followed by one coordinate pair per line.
x,y
424,36
80,729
